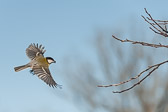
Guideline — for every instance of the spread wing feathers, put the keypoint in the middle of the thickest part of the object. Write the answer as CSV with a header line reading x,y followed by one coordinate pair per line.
x,y
33,50
45,75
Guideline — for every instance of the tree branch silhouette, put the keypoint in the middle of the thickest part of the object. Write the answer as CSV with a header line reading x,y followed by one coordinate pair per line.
x,y
156,66
142,43
156,28
156,25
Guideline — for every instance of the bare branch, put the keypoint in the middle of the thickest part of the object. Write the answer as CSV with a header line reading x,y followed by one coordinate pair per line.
x,y
154,21
154,24
156,28
156,66
142,43
137,82
162,21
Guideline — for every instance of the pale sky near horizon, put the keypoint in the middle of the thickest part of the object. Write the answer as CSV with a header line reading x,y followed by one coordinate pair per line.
x,y
65,28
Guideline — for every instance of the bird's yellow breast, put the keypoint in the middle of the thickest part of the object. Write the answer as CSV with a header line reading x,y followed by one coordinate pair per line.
x,y
42,61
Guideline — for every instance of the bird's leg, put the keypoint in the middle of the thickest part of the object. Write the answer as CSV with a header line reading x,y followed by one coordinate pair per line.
x,y
32,72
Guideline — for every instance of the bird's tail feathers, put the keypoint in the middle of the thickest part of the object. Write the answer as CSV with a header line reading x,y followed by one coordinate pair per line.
x,y
19,68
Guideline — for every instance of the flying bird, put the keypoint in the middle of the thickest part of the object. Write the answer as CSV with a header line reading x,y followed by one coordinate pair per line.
x,y
39,64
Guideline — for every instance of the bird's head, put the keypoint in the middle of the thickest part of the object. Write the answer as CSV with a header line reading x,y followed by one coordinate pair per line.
x,y
50,60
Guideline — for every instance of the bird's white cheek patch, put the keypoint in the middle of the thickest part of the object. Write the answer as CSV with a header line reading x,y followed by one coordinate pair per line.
x,y
50,61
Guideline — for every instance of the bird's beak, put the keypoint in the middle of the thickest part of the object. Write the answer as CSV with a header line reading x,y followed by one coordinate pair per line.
x,y
54,62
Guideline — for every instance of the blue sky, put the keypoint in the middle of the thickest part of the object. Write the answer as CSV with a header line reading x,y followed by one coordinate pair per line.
x,y
66,28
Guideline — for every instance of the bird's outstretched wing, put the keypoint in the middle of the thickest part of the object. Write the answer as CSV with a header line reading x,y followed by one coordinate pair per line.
x,y
44,74
33,50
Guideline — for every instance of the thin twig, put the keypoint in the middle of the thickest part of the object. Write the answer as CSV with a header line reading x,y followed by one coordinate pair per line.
x,y
162,21
142,43
156,66
151,24
154,21
155,25
137,82
160,24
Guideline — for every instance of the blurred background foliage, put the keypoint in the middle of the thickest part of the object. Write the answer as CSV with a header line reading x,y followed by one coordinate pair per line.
x,y
115,62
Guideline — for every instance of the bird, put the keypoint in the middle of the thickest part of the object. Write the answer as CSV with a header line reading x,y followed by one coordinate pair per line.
x,y
39,64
